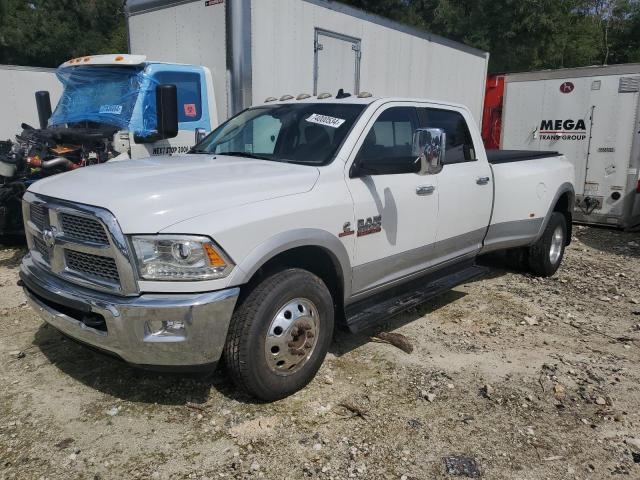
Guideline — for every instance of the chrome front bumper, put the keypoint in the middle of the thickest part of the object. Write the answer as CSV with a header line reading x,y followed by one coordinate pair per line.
x,y
161,330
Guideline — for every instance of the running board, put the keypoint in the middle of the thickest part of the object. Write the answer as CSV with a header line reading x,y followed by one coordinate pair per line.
x,y
370,312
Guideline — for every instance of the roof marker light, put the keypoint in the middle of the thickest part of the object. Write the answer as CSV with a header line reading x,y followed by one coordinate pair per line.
x,y
302,96
364,95
119,58
270,99
286,97
86,59
322,96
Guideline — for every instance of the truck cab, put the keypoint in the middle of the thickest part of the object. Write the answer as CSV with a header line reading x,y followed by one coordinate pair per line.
x,y
120,90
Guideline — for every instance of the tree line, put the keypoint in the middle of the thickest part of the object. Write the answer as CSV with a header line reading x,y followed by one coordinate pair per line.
x,y
524,35
521,35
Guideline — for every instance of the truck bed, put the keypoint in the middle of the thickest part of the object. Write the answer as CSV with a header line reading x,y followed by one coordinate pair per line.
x,y
525,191
507,156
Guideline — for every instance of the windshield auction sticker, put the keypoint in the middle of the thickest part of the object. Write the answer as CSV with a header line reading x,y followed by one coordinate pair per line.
x,y
111,109
325,120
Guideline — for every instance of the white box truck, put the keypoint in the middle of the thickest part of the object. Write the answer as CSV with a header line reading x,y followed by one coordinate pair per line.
x,y
18,86
592,116
261,48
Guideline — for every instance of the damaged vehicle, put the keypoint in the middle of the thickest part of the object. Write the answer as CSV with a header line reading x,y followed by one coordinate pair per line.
x,y
113,107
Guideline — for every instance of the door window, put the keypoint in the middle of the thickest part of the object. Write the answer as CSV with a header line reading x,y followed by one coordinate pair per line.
x,y
459,143
188,92
390,137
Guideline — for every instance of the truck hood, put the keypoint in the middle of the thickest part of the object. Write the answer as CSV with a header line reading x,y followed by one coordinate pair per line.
x,y
149,195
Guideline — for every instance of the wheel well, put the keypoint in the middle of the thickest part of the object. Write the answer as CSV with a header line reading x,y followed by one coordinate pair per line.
x,y
314,259
564,205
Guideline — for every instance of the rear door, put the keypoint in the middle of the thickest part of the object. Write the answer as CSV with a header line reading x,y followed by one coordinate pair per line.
x,y
614,105
464,184
337,63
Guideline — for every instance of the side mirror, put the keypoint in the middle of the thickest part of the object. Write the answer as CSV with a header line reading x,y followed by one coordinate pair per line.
x,y
43,104
167,111
429,145
200,134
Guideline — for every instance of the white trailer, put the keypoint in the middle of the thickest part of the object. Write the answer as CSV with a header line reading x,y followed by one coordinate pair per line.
x,y
261,48
592,116
18,86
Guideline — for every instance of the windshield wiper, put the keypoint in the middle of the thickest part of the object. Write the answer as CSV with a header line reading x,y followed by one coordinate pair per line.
x,y
248,155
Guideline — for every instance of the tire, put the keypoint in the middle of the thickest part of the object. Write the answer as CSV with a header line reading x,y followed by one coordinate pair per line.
x,y
517,258
545,256
287,318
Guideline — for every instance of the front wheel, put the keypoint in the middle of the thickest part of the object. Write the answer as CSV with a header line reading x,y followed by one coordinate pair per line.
x,y
280,334
545,256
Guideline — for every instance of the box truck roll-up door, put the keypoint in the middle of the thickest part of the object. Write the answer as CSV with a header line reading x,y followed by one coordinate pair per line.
x,y
614,104
337,63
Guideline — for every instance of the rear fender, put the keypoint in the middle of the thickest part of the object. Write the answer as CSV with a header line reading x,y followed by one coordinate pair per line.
x,y
564,188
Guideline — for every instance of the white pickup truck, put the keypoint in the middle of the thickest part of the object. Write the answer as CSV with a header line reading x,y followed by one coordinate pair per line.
x,y
290,217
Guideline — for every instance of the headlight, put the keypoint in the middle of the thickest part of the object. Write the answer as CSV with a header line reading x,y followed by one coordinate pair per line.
x,y
171,257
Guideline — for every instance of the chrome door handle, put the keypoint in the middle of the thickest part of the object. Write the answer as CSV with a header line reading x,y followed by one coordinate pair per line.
x,y
482,180
425,190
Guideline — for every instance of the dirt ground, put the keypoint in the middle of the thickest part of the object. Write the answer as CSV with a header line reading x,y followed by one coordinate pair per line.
x,y
532,379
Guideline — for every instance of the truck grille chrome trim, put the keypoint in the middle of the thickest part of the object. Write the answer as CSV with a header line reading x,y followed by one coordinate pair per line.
x,y
79,243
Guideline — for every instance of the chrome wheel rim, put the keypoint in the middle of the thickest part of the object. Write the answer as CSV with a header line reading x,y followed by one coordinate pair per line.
x,y
292,336
557,240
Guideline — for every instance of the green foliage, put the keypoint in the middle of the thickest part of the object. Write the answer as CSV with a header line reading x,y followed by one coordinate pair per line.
x,y
526,35
520,34
48,32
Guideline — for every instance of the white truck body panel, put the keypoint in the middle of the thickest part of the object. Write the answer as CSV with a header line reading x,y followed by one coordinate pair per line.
x,y
261,48
18,86
283,57
605,148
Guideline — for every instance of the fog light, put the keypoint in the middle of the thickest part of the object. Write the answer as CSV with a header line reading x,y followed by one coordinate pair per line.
x,y
165,328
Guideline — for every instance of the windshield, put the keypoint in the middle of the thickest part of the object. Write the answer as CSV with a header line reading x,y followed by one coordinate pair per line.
x,y
307,133
105,95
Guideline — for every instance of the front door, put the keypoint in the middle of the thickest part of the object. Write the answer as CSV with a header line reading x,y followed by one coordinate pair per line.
x,y
337,63
193,109
396,215
465,186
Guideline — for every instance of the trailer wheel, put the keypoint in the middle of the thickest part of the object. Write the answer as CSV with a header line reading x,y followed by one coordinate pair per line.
x,y
545,256
280,334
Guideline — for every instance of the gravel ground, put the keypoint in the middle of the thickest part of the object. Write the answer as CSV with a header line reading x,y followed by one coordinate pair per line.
x,y
531,378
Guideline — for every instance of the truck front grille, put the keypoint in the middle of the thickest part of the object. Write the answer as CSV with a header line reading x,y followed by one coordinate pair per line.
x,y
42,248
77,227
92,265
79,243
39,214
